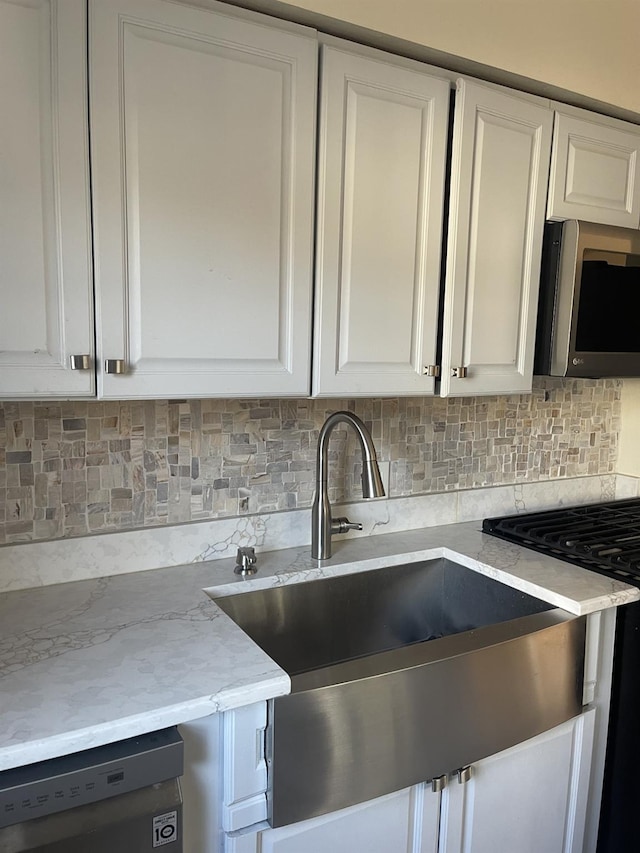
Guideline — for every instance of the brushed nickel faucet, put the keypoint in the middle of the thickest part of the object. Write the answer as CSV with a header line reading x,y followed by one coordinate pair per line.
x,y
322,525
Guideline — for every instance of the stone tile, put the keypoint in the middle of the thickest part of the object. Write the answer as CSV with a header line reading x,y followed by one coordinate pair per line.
x,y
118,465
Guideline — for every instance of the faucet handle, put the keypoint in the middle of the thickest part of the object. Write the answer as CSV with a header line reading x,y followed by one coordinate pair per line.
x,y
246,561
342,524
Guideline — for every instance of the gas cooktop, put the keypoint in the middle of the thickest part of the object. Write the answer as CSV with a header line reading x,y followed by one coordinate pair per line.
x,y
603,537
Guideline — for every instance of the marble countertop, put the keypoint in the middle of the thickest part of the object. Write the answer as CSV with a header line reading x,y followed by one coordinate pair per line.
x,y
93,661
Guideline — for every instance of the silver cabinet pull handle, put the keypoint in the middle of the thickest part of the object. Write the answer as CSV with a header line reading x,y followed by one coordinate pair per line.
x,y
432,370
464,774
80,362
459,372
115,365
438,783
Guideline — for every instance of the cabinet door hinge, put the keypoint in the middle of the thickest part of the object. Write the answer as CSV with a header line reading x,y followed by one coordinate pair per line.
x,y
267,745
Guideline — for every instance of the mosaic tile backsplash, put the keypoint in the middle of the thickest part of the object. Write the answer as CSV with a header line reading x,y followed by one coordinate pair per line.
x,y
72,468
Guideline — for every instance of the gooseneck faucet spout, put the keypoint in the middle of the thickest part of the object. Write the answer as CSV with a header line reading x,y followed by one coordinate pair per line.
x,y
322,525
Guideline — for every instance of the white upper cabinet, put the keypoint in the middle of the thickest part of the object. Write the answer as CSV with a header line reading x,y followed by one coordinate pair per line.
x,y
381,170
46,313
499,170
203,139
199,243
594,169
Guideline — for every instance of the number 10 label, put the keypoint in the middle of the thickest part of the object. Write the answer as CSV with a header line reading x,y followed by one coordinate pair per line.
x,y
165,828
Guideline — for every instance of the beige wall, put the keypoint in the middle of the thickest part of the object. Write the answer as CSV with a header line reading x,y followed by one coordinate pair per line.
x,y
629,452
586,46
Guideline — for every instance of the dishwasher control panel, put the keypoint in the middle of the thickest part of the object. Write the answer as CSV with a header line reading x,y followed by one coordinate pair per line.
x,y
89,776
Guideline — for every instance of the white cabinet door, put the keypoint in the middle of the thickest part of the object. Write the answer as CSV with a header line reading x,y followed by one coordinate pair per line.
x,y
403,822
381,166
46,313
595,170
203,156
529,799
245,767
500,165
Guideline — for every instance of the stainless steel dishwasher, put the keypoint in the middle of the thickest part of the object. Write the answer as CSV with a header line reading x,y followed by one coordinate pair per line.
x,y
122,797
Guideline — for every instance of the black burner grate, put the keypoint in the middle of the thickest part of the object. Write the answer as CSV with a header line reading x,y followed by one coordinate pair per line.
x,y
603,537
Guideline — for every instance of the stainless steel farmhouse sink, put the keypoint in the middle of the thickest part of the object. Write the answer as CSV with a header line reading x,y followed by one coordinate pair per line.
x,y
403,674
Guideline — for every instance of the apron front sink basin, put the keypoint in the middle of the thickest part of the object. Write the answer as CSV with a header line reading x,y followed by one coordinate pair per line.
x,y
402,674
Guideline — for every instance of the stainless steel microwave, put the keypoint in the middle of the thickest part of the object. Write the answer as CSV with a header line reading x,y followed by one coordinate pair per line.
x,y
589,309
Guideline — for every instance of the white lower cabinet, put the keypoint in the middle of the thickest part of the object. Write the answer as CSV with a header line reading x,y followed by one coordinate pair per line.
x,y
403,822
531,798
